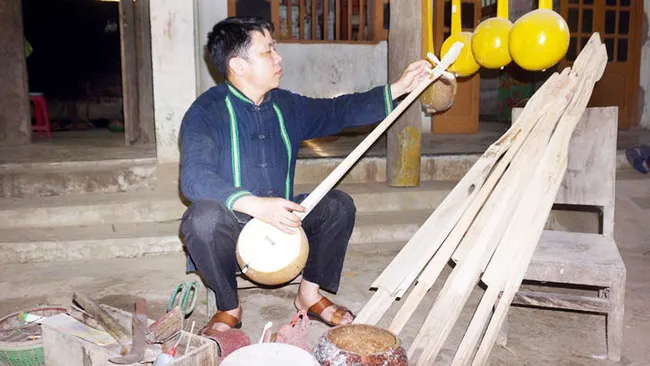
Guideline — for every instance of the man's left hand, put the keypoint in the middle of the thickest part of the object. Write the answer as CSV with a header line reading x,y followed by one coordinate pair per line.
x,y
413,75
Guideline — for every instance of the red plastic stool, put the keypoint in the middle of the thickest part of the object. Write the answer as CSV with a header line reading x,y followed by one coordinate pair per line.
x,y
42,125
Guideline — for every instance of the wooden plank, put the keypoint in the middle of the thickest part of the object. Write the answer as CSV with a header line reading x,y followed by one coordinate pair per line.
x,y
528,223
402,271
559,301
362,24
275,17
337,24
483,236
129,72
542,101
290,18
146,122
349,20
404,138
313,19
301,20
15,117
326,18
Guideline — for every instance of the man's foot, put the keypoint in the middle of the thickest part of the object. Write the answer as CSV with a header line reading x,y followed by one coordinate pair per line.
x,y
320,307
222,321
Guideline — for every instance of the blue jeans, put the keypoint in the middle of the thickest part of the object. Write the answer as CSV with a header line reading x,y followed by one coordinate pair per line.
x,y
210,232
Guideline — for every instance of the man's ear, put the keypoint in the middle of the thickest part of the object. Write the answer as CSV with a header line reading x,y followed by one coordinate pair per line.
x,y
237,65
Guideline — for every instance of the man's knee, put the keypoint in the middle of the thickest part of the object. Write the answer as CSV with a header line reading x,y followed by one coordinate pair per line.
x,y
204,218
341,204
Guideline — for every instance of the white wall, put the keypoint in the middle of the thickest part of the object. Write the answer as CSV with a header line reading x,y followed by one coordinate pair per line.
x,y
174,71
328,70
644,94
208,13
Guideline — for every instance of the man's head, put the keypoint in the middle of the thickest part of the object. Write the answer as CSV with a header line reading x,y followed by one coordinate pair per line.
x,y
242,48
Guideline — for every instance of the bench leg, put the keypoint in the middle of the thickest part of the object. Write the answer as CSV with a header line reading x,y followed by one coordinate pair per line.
x,y
615,319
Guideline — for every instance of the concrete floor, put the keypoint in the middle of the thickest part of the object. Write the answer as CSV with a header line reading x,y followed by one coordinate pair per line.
x,y
537,337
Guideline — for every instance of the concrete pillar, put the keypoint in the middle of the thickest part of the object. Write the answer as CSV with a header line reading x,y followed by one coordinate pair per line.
x,y
15,121
209,12
644,91
174,71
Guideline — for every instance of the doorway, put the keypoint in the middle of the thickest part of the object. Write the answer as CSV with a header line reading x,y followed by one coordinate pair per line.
x,y
620,23
91,60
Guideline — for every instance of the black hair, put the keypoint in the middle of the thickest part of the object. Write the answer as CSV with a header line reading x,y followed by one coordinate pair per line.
x,y
231,37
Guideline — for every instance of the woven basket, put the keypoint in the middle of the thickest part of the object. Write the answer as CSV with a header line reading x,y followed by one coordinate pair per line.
x,y
24,353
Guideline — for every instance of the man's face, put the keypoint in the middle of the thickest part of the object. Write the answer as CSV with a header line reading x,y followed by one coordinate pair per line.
x,y
264,63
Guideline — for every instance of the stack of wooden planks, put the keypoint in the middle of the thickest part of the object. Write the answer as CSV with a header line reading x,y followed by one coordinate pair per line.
x,y
490,223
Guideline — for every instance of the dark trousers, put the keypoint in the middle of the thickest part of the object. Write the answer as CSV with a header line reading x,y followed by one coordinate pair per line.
x,y
211,231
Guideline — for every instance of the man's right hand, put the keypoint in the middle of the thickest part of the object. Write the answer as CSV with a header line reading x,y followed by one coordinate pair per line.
x,y
272,210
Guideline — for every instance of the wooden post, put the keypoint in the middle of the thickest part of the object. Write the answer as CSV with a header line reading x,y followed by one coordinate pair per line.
x,y
15,120
404,137
145,73
129,72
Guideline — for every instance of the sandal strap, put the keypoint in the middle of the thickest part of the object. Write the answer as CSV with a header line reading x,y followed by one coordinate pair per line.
x,y
338,315
321,305
223,317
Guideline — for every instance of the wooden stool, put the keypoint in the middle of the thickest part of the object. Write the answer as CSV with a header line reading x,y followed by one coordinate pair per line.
x,y
584,259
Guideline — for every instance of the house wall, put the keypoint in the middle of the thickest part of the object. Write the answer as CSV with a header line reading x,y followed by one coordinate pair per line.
x,y
328,70
174,71
14,101
182,69
644,92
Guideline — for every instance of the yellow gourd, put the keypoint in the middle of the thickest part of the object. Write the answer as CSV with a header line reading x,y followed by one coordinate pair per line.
x,y
465,64
539,39
490,41
440,95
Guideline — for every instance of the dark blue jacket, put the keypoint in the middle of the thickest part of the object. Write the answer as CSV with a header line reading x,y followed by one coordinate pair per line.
x,y
231,148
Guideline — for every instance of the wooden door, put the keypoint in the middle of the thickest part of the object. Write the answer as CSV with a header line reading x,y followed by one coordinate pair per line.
x,y
620,23
462,117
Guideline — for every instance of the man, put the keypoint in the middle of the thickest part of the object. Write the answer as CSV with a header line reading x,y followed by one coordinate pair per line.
x,y
239,143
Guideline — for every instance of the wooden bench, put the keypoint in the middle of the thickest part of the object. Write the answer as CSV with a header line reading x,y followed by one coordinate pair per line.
x,y
570,259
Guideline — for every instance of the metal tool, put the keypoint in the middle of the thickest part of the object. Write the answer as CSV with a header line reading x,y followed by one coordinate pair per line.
x,y
187,292
136,352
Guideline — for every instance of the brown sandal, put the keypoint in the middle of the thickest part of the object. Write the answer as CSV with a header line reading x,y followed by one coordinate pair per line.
x,y
315,311
220,317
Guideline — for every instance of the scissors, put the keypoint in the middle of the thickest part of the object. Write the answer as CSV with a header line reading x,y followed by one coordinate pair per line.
x,y
186,292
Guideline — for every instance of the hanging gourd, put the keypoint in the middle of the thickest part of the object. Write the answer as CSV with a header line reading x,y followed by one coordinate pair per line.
x,y
490,41
440,95
539,39
465,64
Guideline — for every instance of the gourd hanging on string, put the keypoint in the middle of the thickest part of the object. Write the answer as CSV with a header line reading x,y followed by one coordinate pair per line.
x,y
490,41
440,95
539,39
466,64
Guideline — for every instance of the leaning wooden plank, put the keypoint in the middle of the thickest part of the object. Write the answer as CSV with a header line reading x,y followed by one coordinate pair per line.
x,y
402,271
428,277
416,253
482,314
536,206
484,234
504,251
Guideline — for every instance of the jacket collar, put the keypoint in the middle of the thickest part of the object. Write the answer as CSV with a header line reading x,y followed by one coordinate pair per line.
x,y
232,90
